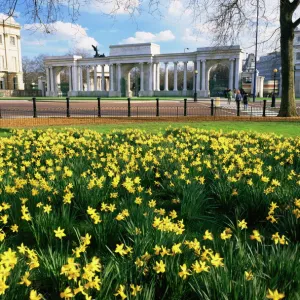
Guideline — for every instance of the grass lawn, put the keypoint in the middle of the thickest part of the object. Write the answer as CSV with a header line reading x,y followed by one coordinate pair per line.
x,y
280,128
287,129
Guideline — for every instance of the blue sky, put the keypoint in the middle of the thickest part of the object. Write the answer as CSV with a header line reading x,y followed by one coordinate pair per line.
x,y
173,32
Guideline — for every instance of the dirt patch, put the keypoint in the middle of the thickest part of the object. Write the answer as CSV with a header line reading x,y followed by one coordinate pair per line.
x,y
37,122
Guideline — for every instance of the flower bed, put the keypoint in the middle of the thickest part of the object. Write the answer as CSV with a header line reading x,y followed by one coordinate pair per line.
x,y
184,214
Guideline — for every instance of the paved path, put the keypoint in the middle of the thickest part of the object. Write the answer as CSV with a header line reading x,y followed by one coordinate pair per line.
x,y
111,108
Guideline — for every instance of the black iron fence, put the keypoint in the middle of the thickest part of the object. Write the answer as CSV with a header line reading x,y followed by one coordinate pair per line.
x,y
182,109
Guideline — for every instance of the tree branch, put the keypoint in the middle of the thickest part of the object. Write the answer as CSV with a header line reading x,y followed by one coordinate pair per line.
x,y
296,23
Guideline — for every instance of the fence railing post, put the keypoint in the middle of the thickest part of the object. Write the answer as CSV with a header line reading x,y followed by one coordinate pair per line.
x,y
264,108
238,103
129,108
157,107
185,107
68,107
34,107
212,106
99,107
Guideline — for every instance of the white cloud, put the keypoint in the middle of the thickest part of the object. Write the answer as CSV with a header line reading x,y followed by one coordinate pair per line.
x,y
197,37
147,37
114,7
74,35
178,9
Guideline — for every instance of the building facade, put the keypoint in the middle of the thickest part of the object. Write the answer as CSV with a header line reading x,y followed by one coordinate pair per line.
x,y
11,75
116,69
297,62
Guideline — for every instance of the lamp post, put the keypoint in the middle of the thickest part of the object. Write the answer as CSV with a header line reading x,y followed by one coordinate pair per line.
x,y
195,93
273,96
256,41
186,49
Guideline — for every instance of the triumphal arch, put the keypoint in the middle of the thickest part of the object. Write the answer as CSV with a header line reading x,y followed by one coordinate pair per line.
x,y
110,76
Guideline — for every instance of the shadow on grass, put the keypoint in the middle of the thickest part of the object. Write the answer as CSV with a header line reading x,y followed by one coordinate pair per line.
x,y
5,132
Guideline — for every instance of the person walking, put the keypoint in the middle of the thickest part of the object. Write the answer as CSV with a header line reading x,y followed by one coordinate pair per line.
x,y
229,96
238,97
234,95
245,101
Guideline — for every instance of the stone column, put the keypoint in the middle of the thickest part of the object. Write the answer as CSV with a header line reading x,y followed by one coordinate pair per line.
x,y
158,77
154,77
199,74
19,53
195,68
88,78
237,73
95,78
150,77
111,83
175,77
51,80
119,77
129,93
56,74
75,78
166,77
103,85
142,77
70,79
48,80
80,79
185,76
231,73
203,85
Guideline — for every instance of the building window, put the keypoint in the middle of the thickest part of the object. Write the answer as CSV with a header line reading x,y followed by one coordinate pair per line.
x,y
15,83
298,56
1,41
298,39
12,41
1,83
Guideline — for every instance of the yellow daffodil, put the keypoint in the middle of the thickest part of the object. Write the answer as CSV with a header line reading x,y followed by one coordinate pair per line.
x,y
275,295
59,233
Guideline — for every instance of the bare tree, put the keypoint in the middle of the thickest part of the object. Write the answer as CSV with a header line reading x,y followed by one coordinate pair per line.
x,y
226,18
32,69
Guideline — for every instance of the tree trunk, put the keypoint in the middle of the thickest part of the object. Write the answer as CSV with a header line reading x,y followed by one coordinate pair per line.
x,y
288,104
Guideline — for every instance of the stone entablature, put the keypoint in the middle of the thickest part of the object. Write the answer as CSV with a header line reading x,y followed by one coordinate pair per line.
x,y
147,57
134,49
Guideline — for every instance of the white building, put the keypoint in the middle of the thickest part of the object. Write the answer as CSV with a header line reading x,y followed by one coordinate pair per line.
x,y
112,74
11,75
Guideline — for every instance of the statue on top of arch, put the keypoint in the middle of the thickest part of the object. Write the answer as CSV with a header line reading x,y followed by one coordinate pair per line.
x,y
96,52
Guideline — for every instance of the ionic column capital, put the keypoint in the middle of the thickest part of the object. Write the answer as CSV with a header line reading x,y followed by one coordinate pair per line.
x,y
203,60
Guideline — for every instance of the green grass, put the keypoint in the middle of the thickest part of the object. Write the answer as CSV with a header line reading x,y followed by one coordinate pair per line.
x,y
287,129
280,128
